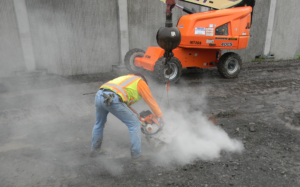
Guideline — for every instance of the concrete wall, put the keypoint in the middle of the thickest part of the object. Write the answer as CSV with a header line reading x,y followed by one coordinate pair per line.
x,y
258,31
11,57
286,36
72,37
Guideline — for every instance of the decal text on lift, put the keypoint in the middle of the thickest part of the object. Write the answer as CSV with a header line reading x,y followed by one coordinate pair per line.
x,y
195,42
226,44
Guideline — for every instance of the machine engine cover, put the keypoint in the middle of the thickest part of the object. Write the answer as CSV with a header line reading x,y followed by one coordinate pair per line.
x,y
217,29
150,124
147,117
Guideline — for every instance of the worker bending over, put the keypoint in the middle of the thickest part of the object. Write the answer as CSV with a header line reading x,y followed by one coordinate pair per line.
x,y
116,97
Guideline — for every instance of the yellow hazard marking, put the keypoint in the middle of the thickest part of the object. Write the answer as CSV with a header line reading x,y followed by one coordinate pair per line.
x,y
217,4
163,1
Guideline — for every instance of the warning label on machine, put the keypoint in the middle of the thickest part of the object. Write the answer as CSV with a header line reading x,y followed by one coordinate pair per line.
x,y
199,30
209,31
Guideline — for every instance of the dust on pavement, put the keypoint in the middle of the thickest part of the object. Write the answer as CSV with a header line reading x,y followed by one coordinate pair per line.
x,y
46,124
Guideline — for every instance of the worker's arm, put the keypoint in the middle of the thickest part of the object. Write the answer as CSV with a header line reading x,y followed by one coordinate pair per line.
x,y
145,92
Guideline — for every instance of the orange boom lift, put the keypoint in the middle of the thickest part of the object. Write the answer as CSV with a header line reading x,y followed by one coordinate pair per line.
x,y
197,40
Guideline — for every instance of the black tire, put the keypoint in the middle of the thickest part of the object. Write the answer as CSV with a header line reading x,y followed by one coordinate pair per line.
x,y
160,70
129,59
230,65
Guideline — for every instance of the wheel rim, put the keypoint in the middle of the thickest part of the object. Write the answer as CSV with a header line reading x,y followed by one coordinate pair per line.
x,y
174,71
131,60
232,65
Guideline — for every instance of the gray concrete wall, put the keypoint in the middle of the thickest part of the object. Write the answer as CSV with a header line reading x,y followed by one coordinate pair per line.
x,y
258,31
11,57
72,37
286,36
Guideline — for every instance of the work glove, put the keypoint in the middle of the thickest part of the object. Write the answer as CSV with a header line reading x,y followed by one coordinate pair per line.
x,y
161,121
108,98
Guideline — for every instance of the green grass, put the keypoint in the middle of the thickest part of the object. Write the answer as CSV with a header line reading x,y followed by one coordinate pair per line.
x,y
260,59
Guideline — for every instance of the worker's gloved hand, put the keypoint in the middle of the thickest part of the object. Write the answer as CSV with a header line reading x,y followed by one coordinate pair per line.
x,y
161,121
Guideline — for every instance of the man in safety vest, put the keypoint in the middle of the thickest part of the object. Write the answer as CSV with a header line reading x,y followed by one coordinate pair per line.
x,y
116,97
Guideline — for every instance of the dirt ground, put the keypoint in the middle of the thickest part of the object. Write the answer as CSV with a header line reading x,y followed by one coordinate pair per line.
x,y
46,123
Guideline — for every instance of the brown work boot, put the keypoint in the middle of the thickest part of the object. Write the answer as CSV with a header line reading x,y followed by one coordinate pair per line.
x,y
140,159
96,153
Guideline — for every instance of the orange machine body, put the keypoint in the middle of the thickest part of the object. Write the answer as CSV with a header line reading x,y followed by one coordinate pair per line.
x,y
203,35
149,119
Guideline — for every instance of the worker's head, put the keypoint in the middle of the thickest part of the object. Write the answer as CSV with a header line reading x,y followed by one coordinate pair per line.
x,y
142,76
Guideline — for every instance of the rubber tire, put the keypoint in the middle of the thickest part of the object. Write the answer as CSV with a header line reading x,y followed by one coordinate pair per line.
x,y
159,70
223,65
129,59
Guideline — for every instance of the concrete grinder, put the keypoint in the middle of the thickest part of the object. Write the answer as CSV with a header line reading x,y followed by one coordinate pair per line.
x,y
159,136
156,134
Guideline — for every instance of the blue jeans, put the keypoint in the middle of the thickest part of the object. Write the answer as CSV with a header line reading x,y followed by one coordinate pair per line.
x,y
122,112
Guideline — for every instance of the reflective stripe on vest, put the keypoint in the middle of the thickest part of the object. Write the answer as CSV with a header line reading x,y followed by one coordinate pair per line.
x,y
120,88
128,81
116,88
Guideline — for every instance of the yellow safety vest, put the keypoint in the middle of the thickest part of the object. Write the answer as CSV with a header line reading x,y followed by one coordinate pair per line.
x,y
125,87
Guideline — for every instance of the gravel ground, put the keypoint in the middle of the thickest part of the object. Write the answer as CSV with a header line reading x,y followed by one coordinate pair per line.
x,y
46,123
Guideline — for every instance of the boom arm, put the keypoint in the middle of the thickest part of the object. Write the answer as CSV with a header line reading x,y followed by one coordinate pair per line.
x,y
170,6
168,37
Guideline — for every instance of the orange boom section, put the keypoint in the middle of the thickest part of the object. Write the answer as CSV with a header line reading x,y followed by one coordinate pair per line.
x,y
218,29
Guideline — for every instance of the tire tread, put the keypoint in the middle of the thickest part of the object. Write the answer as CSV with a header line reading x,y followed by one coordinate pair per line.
x,y
221,65
159,69
127,58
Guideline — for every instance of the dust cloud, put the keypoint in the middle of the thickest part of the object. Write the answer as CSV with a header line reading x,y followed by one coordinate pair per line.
x,y
46,123
196,139
194,136
112,166
56,127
